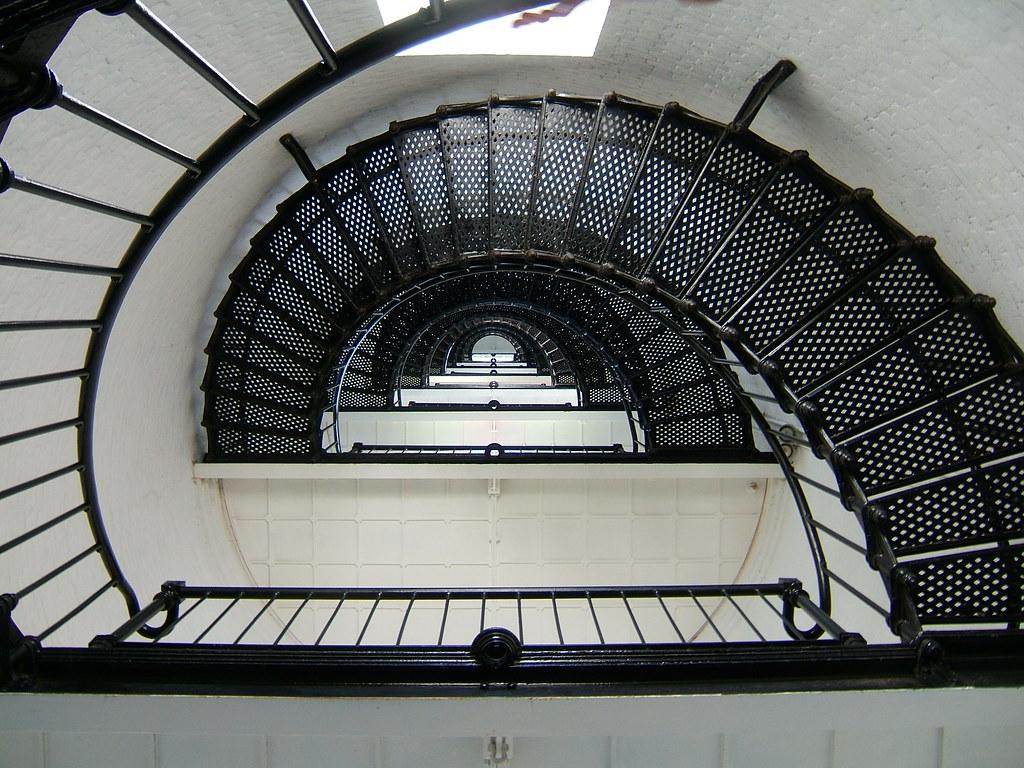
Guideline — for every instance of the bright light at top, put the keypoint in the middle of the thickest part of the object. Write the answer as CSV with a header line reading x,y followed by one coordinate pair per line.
x,y
572,35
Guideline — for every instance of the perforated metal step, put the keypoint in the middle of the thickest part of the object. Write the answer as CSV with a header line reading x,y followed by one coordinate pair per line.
x,y
619,214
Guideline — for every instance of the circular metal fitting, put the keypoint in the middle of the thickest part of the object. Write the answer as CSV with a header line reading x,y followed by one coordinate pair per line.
x,y
496,648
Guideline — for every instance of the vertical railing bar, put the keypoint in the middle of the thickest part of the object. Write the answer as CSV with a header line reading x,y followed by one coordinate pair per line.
x,y
255,618
724,242
53,265
535,173
414,208
68,564
793,252
680,207
632,618
444,618
329,203
9,179
378,220
707,616
519,611
593,615
839,537
316,33
483,610
815,484
570,221
293,618
850,289
405,618
220,616
744,615
558,623
42,527
627,199
76,610
273,305
15,437
785,622
105,121
163,34
330,620
668,615
44,378
858,594
369,618
177,621
448,183
491,101
76,324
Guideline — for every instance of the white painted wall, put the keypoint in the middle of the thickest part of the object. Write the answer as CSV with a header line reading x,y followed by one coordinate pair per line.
x,y
958,728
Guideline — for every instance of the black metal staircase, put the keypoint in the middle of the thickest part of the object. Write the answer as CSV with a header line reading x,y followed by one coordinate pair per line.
x,y
685,248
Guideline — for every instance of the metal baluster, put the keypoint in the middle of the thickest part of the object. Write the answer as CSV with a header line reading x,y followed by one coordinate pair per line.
x,y
65,566
839,537
707,616
101,119
858,594
145,18
294,616
316,33
444,618
330,620
10,180
369,618
671,621
9,545
558,624
46,429
220,616
52,265
45,378
632,618
254,619
744,615
593,615
405,618
519,612
14,490
75,611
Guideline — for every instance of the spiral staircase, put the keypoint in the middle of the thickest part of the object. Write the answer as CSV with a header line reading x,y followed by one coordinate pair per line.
x,y
712,276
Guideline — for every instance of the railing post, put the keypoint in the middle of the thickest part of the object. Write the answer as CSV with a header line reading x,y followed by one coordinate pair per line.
x,y
8,638
167,600
822,619
903,619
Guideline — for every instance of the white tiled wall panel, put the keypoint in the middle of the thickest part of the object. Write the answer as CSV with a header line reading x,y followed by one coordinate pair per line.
x,y
425,533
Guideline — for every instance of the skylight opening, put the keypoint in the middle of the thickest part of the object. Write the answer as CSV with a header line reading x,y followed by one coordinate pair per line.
x,y
573,35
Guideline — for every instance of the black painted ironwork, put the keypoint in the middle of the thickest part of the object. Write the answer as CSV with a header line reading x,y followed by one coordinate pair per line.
x,y
902,379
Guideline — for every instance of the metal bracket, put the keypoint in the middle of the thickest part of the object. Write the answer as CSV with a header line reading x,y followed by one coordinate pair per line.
x,y
498,750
